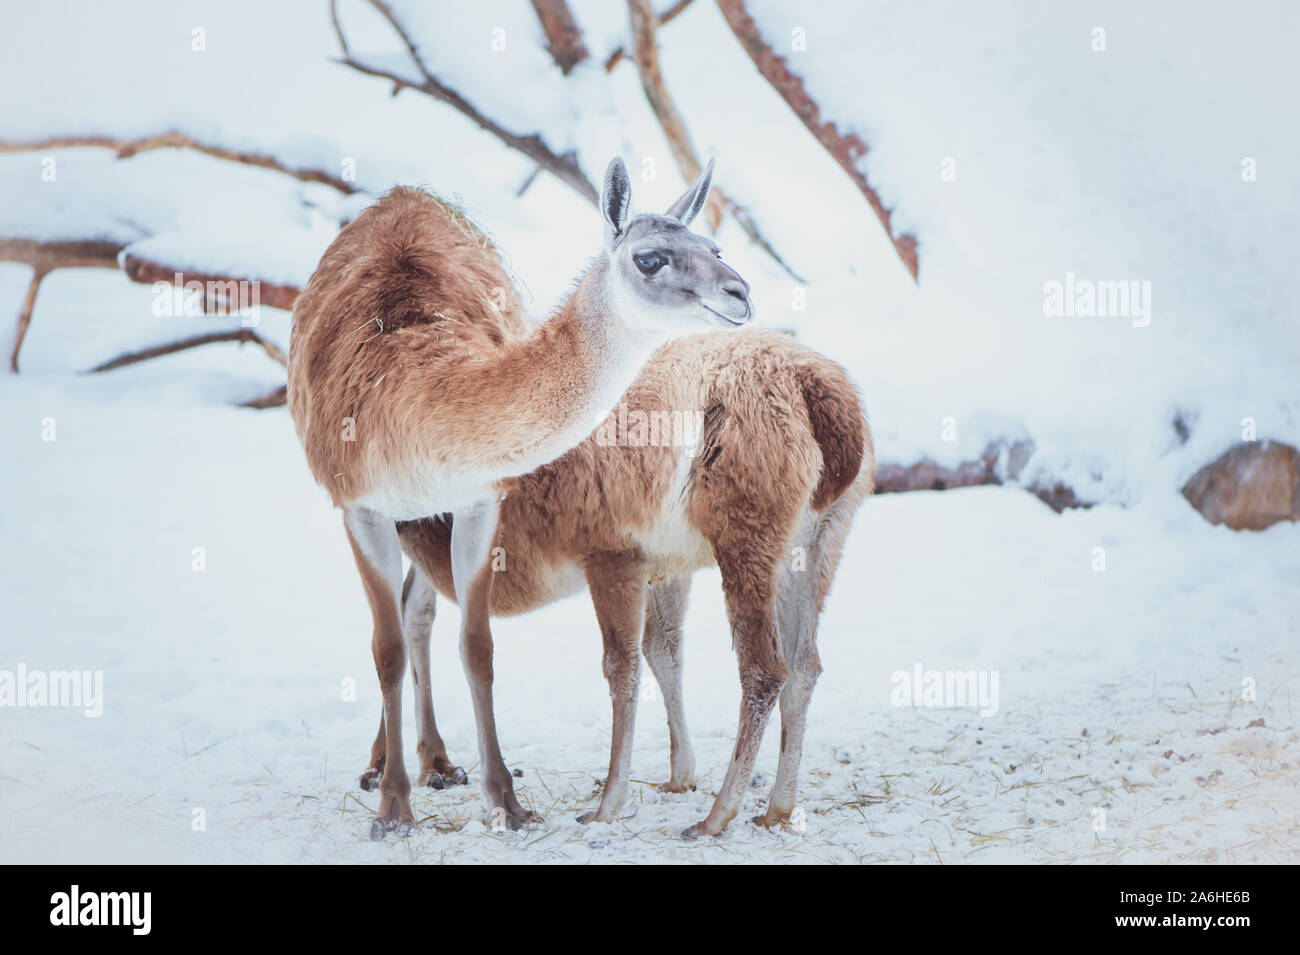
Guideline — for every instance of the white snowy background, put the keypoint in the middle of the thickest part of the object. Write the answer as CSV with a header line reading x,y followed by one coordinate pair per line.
x,y
1120,690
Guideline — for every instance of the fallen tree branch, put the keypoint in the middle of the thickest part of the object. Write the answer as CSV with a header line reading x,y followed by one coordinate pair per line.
x,y
148,272
1001,463
564,167
563,35
1251,486
846,148
241,335
126,148
45,257
70,254
645,53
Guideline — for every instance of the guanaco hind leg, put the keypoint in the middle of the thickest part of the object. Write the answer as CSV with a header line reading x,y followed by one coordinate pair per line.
x,y
800,601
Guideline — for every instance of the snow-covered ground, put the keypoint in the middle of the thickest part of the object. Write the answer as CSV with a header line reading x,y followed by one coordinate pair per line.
x,y
1144,710
223,689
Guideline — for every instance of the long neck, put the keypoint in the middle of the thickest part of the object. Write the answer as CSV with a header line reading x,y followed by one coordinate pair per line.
x,y
559,383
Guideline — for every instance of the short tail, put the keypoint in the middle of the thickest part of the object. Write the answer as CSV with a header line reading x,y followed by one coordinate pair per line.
x,y
839,426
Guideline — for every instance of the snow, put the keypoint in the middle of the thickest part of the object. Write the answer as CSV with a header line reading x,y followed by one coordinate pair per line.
x,y
224,687
1117,165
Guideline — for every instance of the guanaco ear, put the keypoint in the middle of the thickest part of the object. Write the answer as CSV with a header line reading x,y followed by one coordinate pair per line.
x,y
615,200
692,200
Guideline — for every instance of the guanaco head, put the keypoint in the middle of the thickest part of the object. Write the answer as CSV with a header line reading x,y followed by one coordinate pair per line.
x,y
661,274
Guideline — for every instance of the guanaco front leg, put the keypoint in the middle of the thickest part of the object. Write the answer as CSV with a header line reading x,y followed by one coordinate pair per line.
x,y
473,532
617,584
662,647
379,560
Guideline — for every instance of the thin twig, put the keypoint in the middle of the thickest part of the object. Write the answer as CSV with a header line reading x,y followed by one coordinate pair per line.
x,y
275,398
664,19
564,167
25,316
157,351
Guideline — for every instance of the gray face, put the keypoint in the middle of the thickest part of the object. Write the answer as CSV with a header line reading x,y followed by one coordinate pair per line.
x,y
663,275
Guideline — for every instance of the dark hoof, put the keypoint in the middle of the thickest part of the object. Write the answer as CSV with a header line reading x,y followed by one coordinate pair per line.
x,y
402,828
437,780
370,780
524,818
697,830
513,821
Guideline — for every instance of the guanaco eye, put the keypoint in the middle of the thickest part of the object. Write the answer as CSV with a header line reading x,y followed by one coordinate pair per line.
x,y
649,262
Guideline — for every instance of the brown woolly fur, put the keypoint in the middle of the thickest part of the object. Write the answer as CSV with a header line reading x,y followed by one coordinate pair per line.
x,y
783,431
409,296
767,493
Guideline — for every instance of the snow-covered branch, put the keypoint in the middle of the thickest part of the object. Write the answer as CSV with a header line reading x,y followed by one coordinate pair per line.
x,y
846,147
125,148
645,53
565,167
563,35
45,257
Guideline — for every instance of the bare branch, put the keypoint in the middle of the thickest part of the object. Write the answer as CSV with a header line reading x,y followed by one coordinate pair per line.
x,y
45,257
563,35
147,272
25,316
645,53
846,148
125,148
72,254
667,17
564,167
1001,463
241,335
275,398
